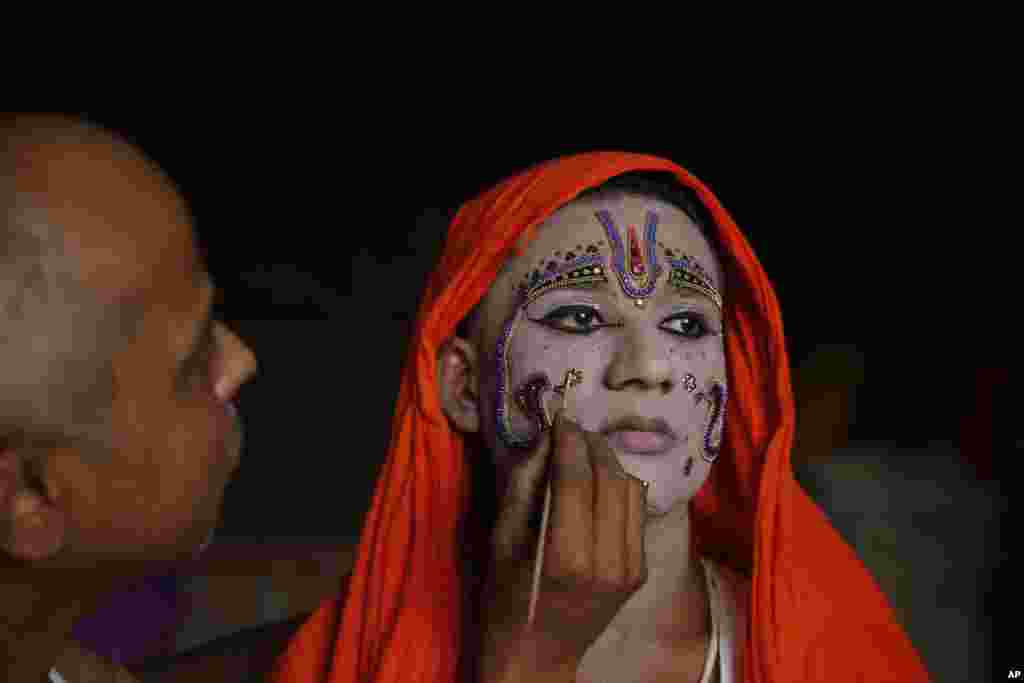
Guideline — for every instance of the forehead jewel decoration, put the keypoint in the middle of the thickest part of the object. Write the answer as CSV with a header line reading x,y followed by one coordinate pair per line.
x,y
634,257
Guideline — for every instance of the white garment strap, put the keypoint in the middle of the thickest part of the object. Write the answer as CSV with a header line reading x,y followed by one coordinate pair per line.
x,y
56,677
715,607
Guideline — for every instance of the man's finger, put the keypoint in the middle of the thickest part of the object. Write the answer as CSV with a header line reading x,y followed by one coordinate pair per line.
x,y
570,551
521,500
611,500
636,523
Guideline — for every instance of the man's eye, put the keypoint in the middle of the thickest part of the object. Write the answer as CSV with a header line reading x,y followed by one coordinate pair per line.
x,y
200,368
574,319
687,325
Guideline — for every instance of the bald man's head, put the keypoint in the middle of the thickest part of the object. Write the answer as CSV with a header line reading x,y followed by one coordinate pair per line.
x,y
110,345
58,332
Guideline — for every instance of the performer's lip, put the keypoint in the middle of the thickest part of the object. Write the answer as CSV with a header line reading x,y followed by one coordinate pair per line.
x,y
640,435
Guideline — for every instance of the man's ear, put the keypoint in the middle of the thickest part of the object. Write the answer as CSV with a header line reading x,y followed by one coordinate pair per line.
x,y
458,374
32,528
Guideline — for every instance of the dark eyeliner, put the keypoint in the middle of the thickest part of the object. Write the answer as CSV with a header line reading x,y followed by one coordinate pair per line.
x,y
551,319
701,319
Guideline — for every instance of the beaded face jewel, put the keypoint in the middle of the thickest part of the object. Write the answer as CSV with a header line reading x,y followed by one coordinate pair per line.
x,y
686,273
714,425
634,260
574,271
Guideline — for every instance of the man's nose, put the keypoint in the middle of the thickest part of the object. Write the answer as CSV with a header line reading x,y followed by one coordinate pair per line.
x,y
641,361
239,367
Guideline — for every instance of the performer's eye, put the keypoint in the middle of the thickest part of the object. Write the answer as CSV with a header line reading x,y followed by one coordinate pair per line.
x,y
574,319
688,324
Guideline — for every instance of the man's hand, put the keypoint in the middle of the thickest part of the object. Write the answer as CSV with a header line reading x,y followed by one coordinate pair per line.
x,y
594,557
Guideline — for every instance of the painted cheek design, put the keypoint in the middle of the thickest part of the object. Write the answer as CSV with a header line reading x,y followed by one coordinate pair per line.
x,y
634,261
530,398
715,399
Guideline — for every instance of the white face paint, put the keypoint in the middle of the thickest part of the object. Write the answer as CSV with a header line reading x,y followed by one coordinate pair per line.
x,y
661,363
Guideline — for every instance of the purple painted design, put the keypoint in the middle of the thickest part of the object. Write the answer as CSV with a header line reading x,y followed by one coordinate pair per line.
x,y
505,432
713,433
528,397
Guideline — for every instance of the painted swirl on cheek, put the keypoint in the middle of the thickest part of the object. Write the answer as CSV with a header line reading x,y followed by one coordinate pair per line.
x,y
715,399
530,396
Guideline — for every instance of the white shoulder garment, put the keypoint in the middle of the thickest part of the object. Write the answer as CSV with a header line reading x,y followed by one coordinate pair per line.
x,y
728,624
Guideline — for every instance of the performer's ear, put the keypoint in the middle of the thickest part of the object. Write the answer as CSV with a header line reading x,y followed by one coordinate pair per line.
x,y
457,383
31,526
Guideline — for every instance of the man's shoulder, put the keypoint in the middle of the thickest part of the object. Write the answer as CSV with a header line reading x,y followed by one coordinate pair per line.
x,y
242,656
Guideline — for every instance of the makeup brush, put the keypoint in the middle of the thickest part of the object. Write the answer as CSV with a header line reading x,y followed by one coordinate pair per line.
x,y
561,394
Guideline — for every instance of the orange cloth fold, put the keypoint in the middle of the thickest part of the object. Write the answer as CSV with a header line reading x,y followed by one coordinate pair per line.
x,y
815,614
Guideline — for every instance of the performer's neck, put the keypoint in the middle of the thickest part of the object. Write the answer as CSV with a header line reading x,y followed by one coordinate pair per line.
x,y
672,606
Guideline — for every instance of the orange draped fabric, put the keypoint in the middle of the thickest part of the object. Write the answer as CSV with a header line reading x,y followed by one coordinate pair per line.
x,y
814,614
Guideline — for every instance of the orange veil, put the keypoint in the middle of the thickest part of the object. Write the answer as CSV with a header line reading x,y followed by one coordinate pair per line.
x,y
815,613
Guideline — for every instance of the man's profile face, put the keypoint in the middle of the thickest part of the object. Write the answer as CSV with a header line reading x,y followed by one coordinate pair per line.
x,y
175,436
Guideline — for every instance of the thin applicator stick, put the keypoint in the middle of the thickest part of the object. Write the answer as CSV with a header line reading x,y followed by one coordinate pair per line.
x,y
572,378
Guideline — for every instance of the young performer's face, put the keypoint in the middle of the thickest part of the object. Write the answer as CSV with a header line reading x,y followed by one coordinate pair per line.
x,y
640,320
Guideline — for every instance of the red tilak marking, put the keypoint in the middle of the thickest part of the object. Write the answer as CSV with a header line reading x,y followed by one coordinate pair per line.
x,y
636,261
